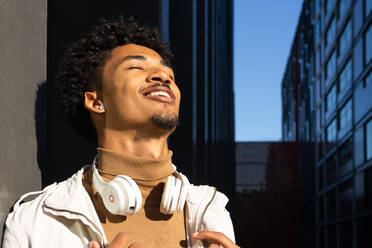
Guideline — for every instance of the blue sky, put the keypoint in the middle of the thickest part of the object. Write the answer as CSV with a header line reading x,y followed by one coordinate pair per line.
x,y
263,34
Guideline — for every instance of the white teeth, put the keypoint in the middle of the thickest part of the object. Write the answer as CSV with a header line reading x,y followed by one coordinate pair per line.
x,y
160,93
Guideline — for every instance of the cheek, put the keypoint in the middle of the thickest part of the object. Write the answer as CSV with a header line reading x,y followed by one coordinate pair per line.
x,y
117,98
121,88
178,95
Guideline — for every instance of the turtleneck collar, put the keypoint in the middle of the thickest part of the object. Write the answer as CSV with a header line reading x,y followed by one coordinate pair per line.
x,y
138,168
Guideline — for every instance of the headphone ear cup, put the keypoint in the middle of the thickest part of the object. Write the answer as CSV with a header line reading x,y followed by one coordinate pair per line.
x,y
112,197
170,195
109,192
131,193
121,196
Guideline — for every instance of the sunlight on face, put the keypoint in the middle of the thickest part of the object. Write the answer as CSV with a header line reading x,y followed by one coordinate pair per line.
x,y
139,90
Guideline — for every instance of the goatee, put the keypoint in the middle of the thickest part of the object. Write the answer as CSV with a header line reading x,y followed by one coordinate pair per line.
x,y
164,121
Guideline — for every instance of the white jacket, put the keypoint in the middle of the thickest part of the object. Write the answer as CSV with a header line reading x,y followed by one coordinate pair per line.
x,y
62,215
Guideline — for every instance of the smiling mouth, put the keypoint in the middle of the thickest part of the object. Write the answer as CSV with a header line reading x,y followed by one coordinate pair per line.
x,y
159,93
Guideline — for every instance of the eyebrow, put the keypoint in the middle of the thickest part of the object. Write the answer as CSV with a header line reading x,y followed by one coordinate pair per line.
x,y
140,57
130,57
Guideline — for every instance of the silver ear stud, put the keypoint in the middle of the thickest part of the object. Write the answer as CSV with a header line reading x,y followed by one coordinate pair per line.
x,y
101,107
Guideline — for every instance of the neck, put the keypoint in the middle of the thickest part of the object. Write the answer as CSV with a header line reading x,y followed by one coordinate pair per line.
x,y
134,142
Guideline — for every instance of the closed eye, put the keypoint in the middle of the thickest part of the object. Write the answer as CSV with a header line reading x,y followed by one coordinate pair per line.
x,y
135,68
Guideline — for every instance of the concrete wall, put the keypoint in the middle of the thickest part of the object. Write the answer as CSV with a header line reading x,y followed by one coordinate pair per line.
x,y
23,26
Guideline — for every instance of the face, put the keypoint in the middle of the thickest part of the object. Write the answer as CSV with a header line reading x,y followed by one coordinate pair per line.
x,y
139,90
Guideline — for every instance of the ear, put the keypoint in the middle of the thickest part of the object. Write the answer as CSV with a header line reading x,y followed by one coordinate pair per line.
x,y
92,103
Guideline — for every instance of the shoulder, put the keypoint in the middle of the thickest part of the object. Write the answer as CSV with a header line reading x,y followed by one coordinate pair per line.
x,y
27,214
207,210
21,215
207,195
29,203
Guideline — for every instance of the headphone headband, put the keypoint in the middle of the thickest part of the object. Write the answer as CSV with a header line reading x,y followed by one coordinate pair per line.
x,y
122,196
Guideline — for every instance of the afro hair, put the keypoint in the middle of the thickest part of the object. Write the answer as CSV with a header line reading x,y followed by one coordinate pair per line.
x,y
80,67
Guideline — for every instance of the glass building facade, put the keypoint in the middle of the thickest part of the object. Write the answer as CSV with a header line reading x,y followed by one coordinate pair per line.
x,y
327,109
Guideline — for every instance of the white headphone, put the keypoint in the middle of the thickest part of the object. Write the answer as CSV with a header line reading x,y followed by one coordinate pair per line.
x,y
121,196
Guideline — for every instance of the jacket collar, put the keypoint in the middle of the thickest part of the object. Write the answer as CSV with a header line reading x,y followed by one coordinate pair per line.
x,y
70,200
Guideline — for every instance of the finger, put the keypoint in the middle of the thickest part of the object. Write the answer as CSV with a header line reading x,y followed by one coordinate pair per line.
x,y
213,237
119,241
210,244
94,244
135,245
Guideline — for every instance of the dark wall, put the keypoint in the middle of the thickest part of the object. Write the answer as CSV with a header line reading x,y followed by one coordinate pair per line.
x,y
66,152
201,38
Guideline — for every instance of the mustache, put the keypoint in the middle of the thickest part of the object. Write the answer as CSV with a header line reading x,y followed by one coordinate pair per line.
x,y
158,84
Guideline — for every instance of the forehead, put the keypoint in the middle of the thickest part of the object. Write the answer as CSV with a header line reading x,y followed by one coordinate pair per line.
x,y
134,50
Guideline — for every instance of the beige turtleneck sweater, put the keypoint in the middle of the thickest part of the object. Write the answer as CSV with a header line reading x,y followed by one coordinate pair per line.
x,y
149,226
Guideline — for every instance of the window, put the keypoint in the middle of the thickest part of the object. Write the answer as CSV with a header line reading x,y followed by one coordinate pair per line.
x,y
318,30
331,205
363,190
331,65
345,38
320,177
368,7
369,140
346,157
317,62
359,192
318,120
343,7
318,90
368,80
319,148
359,146
331,99
368,44
345,117
346,198
331,169
331,132
331,32
345,78
330,4
318,4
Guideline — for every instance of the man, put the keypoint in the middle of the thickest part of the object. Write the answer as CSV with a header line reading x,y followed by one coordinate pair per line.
x,y
116,87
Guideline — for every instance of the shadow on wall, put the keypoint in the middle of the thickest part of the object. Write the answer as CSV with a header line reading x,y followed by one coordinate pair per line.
x,y
40,126
60,150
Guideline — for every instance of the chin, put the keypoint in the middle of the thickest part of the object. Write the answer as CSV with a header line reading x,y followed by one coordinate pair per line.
x,y
165,121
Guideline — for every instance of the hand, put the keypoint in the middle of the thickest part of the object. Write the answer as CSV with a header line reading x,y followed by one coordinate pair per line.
x,y
119,241
215,239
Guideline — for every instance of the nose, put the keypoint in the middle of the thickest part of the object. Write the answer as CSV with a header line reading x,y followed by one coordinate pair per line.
x,y
158,76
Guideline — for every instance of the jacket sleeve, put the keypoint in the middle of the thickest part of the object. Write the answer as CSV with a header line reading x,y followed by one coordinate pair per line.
x,y
217,218
10,238
13,236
